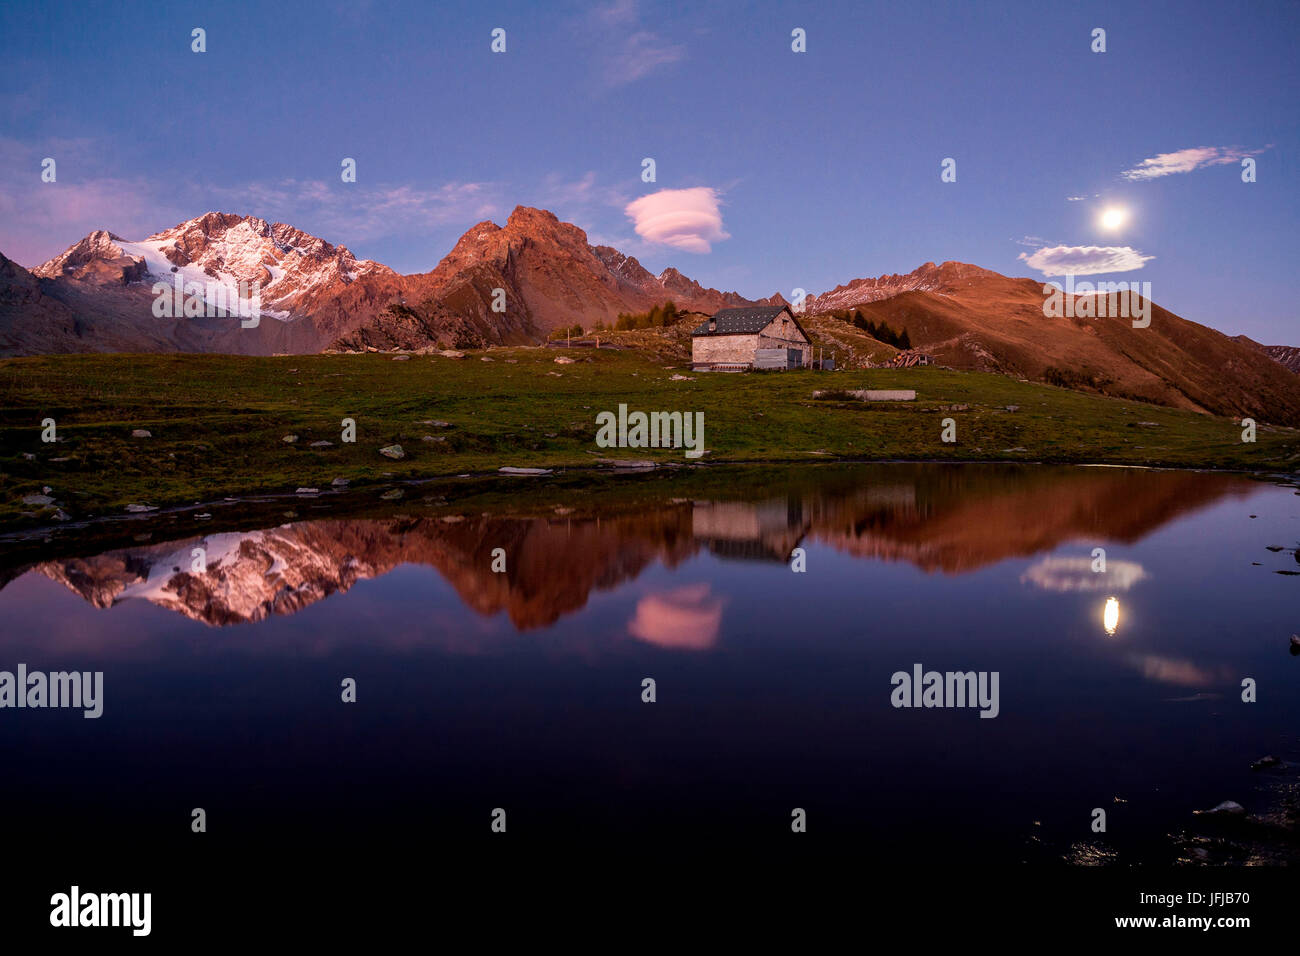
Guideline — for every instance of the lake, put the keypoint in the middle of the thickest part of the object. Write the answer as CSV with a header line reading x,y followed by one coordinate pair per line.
x,y
476,689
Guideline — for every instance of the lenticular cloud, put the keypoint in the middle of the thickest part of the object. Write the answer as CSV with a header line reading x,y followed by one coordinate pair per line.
x,y
1085,260
686,219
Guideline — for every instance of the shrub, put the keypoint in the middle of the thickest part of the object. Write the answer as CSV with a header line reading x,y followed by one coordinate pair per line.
x,y
659,316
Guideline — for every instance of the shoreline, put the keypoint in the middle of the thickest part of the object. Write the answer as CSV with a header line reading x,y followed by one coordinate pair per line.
x,y
11,531
511,495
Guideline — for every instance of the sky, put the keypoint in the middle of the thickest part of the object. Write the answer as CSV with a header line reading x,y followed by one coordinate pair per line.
x,y
774,170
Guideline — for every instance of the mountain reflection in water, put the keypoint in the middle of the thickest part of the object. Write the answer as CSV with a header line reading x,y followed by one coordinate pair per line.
x,y
479,689
949,519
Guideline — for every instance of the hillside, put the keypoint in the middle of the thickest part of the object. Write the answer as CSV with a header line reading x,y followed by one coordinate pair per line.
x,y
975,319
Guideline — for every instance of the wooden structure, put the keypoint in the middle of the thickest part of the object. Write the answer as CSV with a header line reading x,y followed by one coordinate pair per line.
x,y
910,358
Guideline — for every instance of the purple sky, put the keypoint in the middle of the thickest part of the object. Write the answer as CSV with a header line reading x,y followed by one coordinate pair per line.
x,y
775,170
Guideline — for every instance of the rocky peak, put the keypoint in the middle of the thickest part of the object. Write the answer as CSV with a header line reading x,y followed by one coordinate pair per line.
x,y
100,244
245,245
622,265
946,279
542,225
297,271
522,216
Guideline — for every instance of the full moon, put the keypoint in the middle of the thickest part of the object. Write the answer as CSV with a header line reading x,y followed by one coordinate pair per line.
x,y
1113,217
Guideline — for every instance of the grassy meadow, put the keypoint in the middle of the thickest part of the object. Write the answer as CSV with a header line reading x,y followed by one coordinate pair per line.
x,y
217,423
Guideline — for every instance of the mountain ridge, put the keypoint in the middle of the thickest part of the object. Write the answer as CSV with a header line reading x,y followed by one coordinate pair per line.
x,y
514,284
323,296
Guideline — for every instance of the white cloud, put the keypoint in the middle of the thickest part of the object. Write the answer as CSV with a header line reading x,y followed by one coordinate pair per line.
x,y
39,220
354,213
625,51
642,53
585,195
1084,260
617,14
1186,160
688,219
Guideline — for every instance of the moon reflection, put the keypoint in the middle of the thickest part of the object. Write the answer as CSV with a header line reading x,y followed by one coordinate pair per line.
x,y
1110,616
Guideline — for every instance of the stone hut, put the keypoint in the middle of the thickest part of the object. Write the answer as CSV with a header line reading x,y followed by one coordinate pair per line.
x,y
734,340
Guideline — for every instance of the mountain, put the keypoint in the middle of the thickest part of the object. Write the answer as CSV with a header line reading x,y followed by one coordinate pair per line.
x,y
102,290
30,320
514,284
98,295
927,278
1286,355
297,273
550,277
972,318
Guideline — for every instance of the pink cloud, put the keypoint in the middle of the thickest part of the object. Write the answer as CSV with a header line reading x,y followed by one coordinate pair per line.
x,y
686,618
688,219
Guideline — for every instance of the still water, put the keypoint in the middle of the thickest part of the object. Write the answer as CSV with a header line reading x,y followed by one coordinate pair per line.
x,y
523,690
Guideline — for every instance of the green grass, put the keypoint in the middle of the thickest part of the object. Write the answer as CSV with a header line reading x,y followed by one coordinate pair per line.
x,y
217,422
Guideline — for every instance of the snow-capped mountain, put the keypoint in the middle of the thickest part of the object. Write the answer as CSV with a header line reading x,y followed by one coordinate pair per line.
x,y
293,270
98,294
